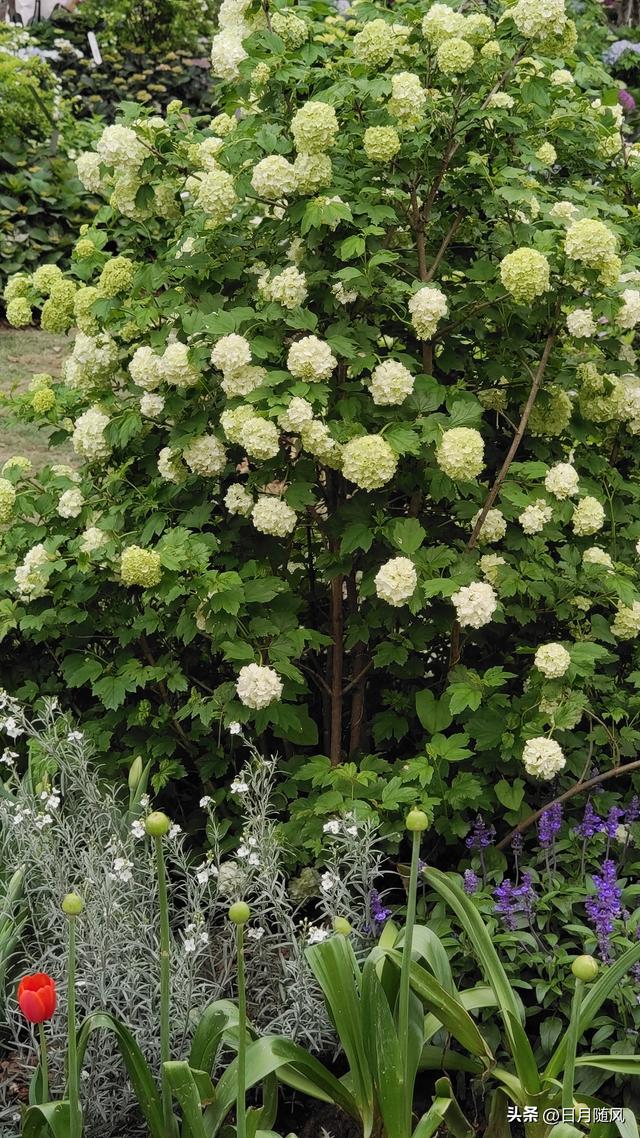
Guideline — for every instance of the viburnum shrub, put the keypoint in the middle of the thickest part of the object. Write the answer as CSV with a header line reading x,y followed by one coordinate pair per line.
x,y
355,419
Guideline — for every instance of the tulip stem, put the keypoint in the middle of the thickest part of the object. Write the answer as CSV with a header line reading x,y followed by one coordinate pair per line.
x,y
403,996
241,1107
573,1035
165,986
75,1113
44,1065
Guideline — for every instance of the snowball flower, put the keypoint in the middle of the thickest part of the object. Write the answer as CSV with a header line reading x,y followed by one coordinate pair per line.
x,y
580,323
396,581
534,518
313,172
88,170
546,154
170,465
175,368
238,500
525,274
629,314
427,306
140,567
120,147
273,178
391,383
88,438
226,53
461,453
493,528
562,480
542,758
31,582
626,624
475,604
590,242
489,565
552,660
272,516
151,405
314,127
93,539
258,686
216,195
289,27
144,368
231,353
311,359
288,288
298,414
441,23
596,556
7,499
205,456
375,44
408,98
70,504
561,78
369,461
588,516
260,438
381,143
537,19
454,56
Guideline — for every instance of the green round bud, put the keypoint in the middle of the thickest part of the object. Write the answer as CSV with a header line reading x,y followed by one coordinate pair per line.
x,y
585,968
341,925
239,913
72,905
157,824
416,821
135,772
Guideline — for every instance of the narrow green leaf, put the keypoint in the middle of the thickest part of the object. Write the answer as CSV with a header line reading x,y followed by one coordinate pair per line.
x,y
140,1076
184,1089
54,1115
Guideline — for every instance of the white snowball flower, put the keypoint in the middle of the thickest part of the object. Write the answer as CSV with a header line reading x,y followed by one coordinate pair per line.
x,y
461,453
70,504
272,516
534,518
396,581
562,480
552,660
88,438
258,686
588,516
629,315
145,369
205,456
580,323
489,565
231,353
274,178
493,528
311,359
427,306
391,383
596,556
151,405
93,539
298,414
475,604
543,758
238,500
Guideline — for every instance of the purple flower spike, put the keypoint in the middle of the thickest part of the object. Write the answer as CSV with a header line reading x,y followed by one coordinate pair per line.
x,y
632,813
378,911
591,823
549,825
604,907
511,900
481,835
612,821
470,882
517,844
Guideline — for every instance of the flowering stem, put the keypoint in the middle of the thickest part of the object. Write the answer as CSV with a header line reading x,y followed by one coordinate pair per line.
x,y
75,1113
573,1035
403,997
44,1065
165,984
241,1116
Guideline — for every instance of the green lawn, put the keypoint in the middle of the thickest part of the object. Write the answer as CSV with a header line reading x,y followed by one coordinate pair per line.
x,y
23,352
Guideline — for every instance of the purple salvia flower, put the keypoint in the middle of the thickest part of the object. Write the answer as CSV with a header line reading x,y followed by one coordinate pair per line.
x,y
517,844
632,813
549,825
470,882
612,821
626,100
512,900
591,823
604,907
481,835
378,911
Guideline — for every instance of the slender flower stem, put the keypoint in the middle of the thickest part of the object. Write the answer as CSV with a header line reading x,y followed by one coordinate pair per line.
x,y
573,1036
403,997
241,1108
44,1065
165,986
75,1113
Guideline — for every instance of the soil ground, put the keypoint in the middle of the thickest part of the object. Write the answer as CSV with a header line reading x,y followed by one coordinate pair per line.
x,y
23,352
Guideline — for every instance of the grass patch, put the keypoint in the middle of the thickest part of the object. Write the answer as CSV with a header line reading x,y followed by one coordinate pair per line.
x,y
23,352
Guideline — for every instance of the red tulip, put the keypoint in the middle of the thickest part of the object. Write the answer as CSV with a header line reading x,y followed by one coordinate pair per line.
x,y
37,997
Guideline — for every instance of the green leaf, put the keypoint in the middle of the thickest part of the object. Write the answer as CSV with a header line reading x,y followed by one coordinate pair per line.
x,y
140,1076
216,1019
54,1115
434,714
351,247
383,1052
408,535
510,794
186,1090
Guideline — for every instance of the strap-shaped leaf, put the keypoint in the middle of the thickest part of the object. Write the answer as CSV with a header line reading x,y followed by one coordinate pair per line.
x,y
384,1053
471,999
596,995
498,1122
454,1118
448,1009
425,943
142,1081
618,1064
435,1058
54,1116
271,1054
186,1092
207,1038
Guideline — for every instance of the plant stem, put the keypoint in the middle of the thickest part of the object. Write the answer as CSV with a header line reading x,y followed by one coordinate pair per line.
x,y
165,986
241,1108
573,1036
403,997
44,1064
75,1114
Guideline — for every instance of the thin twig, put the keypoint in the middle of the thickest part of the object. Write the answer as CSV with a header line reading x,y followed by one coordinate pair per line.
x,y
446,241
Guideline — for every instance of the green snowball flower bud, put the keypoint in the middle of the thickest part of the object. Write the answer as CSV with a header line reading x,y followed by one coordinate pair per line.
x,y
239,913
585,968
72,905
416,821
341,925
157,824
